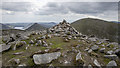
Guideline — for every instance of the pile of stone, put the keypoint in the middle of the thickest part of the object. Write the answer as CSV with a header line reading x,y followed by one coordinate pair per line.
x,y
63,28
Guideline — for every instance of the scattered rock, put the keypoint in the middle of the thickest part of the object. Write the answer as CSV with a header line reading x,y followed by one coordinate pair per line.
x,y
39,42
31,42
18,53
113,57
66,40
22,65
4,47
90,50
25,38
45,58
79,56
111,64
17,61
109,52
19,44
45,45
79,60
47,50
90,66
94,48
117,52
86,49
92,39
102,50
97,63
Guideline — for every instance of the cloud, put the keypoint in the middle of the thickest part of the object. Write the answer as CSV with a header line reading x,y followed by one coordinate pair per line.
x,y
17,6
56,11
78,7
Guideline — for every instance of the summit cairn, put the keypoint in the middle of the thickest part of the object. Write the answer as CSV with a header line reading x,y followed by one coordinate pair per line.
x,y
63,28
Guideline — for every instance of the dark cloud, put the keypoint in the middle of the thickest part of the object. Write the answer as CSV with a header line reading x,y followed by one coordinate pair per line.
x,y
63,7
16,6
79,7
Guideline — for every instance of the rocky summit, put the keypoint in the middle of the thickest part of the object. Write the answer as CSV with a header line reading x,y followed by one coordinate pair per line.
x,y
63,28
60,45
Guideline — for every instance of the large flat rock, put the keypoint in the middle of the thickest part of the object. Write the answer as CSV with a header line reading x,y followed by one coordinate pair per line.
x,y
45,58
4,47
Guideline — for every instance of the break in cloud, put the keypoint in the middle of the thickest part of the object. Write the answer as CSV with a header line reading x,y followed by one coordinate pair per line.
x,y
56,11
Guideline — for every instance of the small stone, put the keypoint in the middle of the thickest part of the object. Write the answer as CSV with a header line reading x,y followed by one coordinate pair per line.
x,y
39,42
113,57
90,50
45,45
111,64
90,66
117,52
102,50
31,42
47,50
17,61
109,52
36,44
86,49
79,56
18,53
97,63
94,48
22,65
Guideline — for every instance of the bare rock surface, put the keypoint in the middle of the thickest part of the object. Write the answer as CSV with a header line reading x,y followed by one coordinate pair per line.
x,y
45,58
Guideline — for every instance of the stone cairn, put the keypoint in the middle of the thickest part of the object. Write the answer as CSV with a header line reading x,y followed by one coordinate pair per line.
x,y
63,28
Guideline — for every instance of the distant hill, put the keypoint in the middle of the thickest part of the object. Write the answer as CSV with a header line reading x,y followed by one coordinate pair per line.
x,y
4,27
47,25
115,21
35,26
27,24
97,27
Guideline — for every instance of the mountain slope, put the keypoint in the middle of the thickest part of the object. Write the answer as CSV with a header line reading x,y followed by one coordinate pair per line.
x,y
97,27
36,26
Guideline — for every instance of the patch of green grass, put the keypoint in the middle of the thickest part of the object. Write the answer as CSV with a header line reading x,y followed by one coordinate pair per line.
x,y
57,45
30,62
106,60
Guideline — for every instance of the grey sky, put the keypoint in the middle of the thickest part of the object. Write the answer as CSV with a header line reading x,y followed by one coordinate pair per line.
x,y
47,11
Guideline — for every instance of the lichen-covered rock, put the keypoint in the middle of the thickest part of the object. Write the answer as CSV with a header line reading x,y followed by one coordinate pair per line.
x,y
45,58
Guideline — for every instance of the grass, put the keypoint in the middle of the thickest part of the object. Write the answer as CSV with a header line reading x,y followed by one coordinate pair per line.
x,y
106,60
